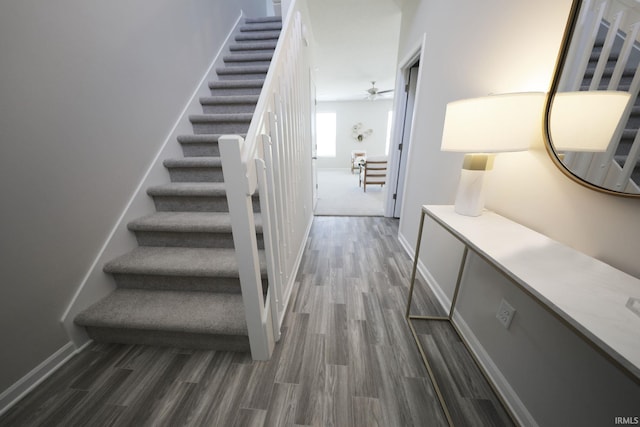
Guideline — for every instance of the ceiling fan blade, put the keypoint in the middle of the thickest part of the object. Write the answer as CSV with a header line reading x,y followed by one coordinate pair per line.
x,y
385,91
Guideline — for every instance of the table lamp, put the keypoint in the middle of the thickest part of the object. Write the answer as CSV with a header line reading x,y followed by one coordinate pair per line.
x,y
586,121
481,126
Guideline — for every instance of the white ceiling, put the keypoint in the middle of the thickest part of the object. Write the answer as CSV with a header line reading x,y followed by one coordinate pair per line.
x,y
356,41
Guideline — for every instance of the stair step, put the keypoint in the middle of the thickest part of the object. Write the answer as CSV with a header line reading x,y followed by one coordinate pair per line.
x,y
257,46
596,52
629,134
239,73
178,268
195,169
261,26
229,100
236,87
263,19
201,145
240,59
257,35
224,108
168,318
229,104
180,262
244,72
188,229
245,69
220,123
608,72
192,197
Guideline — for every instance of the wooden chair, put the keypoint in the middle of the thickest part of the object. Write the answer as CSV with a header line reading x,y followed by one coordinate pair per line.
x,y
357,156
374,172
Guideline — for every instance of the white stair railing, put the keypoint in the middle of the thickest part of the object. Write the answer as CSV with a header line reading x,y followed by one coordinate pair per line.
x,y
623,16
274,163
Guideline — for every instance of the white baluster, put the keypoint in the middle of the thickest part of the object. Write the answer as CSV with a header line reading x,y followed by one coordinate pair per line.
x,y
269,245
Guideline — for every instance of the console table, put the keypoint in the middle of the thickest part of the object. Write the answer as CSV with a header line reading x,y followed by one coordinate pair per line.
x,y
598,302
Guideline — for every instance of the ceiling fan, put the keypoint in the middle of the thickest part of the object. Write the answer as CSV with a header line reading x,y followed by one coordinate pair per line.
x,y
374,92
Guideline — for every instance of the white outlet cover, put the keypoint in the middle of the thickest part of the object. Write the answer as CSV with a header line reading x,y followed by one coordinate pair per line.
x,y
505,313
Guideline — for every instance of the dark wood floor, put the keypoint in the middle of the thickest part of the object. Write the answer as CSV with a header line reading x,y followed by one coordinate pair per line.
x,y
346,358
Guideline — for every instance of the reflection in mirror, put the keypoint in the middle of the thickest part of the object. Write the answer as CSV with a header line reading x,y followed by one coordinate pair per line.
x,y
595,111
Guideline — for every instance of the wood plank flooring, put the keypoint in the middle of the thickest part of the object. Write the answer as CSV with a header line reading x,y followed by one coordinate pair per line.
x,y
346,358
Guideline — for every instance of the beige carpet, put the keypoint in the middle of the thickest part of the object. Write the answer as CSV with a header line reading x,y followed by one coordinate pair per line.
x,y
340,195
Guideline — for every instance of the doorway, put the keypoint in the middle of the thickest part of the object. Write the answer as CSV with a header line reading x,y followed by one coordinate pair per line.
x,y
408,81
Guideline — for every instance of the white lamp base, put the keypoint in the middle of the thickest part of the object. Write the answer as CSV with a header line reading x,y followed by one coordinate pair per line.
x,y
470,195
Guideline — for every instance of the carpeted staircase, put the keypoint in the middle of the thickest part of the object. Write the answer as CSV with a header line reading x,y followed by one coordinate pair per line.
x,y
180,287
633,124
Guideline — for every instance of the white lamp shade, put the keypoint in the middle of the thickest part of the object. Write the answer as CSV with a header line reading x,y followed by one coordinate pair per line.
x,y
493,124
585,121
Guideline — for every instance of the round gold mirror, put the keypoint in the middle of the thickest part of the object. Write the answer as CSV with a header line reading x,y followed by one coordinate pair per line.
x,y
592,116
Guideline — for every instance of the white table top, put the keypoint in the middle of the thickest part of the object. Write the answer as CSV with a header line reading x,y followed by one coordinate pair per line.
x,y
588,294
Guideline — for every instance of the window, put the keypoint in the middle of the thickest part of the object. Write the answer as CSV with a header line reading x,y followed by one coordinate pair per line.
x,y
326,134
389,119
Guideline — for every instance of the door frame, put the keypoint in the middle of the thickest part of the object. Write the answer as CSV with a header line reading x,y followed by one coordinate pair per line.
x,y
399,111
314,141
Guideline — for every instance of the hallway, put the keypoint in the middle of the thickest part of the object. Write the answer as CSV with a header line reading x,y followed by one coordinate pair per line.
x,y
341,194
346,358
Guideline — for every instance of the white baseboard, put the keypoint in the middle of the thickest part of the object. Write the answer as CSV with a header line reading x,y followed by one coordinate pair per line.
x,y
37,375
505,390
519,410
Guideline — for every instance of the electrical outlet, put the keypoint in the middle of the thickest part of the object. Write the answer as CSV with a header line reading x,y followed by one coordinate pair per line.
x,y
505,314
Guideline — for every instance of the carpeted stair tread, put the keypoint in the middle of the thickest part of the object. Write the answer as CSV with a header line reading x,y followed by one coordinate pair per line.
x,y
248,57
608,72
258,35
253,46
189,312
206,222
221,118
201,139
595,55
198,189
202,145
261,26
193,162
245,69
195,169
229,99
263,19
236,84
172,261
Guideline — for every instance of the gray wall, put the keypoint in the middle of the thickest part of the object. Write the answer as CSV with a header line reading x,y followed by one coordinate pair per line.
x,y
88,93
496,46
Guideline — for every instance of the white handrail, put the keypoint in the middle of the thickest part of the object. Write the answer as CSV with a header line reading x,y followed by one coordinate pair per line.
x,y
275,160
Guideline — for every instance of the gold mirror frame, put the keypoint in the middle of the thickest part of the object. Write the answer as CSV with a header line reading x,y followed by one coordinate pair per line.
x,y
560,64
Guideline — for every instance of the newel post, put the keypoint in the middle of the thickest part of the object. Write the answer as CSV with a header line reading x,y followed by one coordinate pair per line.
x,y
243,226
